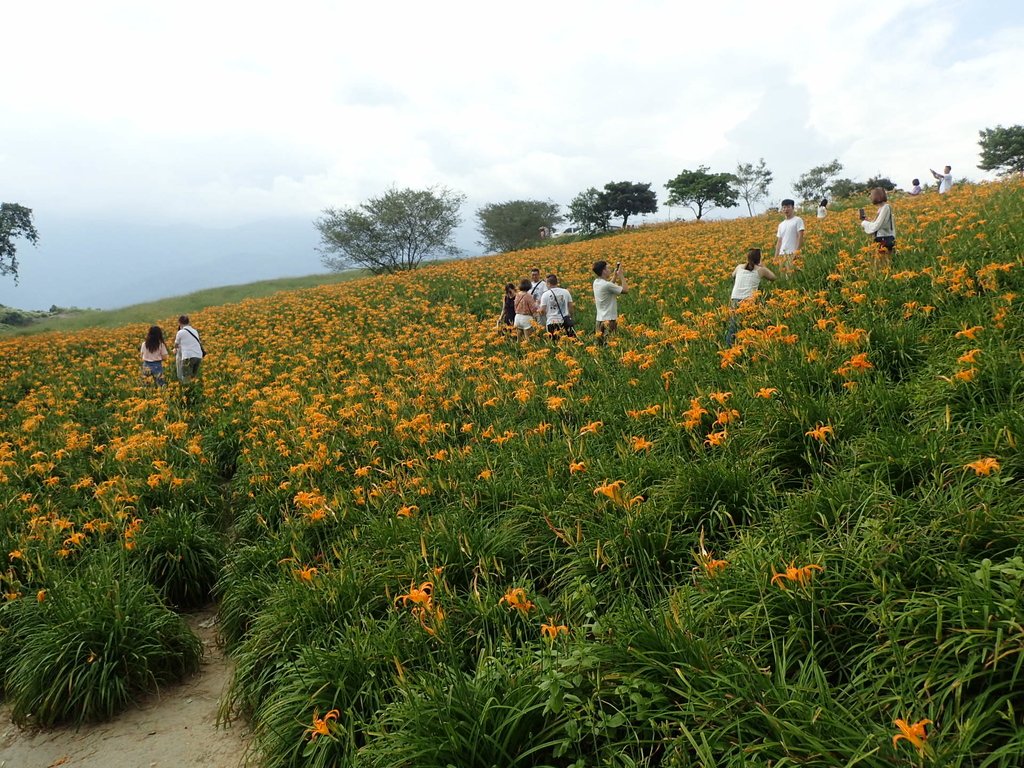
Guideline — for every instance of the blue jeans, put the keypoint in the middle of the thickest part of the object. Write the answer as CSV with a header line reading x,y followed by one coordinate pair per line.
x,y
156,370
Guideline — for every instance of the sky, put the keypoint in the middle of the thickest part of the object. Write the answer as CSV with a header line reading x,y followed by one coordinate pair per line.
x,y
167,147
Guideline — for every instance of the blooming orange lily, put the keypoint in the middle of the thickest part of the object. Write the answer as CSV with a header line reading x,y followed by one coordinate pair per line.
x,y
321,725
984,466
801,576
516,598
914,733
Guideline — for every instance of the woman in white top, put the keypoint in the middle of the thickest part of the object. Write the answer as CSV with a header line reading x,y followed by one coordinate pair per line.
x,y
823,208
747,279
882,227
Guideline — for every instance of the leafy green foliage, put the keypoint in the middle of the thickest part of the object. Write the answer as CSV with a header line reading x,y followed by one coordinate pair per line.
x,y
701,191
591,210
95,643
629,198
1002,149
751,183
393,232
15,222
181,556
813,184
514,224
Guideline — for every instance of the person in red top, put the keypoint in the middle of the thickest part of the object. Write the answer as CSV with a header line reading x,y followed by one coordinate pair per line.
x,y
526,308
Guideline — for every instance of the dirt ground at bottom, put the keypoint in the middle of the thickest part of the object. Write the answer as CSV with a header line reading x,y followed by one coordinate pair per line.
x,y
174,729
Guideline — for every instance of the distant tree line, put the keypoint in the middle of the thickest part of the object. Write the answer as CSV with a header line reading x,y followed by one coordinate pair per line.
x,y
401,228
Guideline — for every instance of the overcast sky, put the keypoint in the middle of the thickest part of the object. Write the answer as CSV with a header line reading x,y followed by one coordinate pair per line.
x,y
171,119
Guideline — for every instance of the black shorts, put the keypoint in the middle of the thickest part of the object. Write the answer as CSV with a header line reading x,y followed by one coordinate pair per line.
x,y
887,242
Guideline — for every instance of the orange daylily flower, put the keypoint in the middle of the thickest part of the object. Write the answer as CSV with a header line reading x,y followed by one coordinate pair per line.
x,y
820,432
550,630
801,576
591,428
577,466
984,466
766,392
321,725
969,333
914,733
639,444
516,598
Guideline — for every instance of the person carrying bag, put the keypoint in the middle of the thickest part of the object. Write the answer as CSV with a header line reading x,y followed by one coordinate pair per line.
x,y
557,318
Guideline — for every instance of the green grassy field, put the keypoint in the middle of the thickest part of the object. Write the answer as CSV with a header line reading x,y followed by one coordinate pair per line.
x,y
190,303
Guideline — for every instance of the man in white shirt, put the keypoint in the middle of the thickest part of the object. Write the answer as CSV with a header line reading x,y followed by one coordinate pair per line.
x,y
537,286
789,237
557,302
945,179
188,350
607,288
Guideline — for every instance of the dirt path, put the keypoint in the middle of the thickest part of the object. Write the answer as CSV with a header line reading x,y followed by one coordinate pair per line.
x,y
176,729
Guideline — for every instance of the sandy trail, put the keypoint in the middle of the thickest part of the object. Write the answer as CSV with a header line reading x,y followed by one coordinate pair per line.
x,y
176,728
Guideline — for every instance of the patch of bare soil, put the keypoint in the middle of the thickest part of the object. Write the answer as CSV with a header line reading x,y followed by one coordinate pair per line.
x,y
174,729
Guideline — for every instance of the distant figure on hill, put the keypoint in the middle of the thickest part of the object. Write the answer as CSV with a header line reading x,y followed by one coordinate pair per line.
x,y
823,208
526,308
188,350
607,288
882,227
557,304
789,238
746,280
916,188
153,353
945,179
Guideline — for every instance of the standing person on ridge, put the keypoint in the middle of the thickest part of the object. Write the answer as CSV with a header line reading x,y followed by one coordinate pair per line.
x,y
789,237
526,308
882,227
607,288
945,179
188,350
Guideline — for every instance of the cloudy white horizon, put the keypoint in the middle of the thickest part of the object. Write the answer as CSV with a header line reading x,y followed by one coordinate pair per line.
x,y
170,147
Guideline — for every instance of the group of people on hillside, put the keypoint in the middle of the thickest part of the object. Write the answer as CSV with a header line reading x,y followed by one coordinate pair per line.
x,y
536,300
188,353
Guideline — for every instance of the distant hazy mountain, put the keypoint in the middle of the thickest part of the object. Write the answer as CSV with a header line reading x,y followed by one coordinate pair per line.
x,y
106,264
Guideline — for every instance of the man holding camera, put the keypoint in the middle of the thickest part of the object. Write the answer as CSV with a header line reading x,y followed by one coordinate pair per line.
x,y
607,288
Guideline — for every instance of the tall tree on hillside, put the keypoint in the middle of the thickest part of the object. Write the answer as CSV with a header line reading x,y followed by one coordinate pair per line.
x,y
15,223
627,198
880,181
840,189
751,183
507,226
391,233
701,191
590,209
1002,149
813,184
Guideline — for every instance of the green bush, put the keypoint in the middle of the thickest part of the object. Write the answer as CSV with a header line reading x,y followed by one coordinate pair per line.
x,y
98,641
180,556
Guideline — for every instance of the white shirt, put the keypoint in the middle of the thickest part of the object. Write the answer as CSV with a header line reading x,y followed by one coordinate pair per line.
x,y
186,345
606,299
789,233
538,289
916,189
945,183
822,210
883,225
554,300
746,283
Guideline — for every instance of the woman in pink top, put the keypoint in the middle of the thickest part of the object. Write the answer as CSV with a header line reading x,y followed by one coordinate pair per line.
x,y
154,352
526,307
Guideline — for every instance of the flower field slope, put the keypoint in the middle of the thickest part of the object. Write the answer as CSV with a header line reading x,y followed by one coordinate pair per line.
x,y
433,546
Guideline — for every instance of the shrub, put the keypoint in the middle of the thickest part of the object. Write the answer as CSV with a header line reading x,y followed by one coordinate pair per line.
x,y
180,556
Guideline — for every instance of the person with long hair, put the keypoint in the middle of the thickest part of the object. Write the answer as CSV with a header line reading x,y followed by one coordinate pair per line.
x,y
746,280
508,307
526,309
882,227
153,353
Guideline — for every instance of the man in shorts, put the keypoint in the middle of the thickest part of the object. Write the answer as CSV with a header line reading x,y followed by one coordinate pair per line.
x,y
789,237
607,288
557,304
